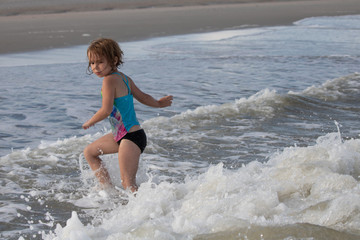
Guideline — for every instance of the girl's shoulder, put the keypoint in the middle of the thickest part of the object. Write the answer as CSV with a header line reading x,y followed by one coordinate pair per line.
x,y
118,77
110,79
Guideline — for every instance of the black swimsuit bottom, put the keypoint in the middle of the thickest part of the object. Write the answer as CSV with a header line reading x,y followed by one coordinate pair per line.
x,y
138,137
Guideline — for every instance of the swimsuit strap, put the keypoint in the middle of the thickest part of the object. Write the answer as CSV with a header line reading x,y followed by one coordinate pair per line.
x,y
126,82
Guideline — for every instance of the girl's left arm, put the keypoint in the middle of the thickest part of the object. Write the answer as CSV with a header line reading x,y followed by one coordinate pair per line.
x,y
148,99
108,92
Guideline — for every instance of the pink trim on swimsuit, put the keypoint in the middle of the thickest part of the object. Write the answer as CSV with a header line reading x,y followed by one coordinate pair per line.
x,y
117,126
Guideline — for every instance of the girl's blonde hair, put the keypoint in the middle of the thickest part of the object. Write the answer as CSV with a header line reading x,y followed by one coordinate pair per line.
x,y
108,48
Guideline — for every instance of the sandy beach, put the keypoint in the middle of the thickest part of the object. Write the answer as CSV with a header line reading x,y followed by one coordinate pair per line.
x,y
55,27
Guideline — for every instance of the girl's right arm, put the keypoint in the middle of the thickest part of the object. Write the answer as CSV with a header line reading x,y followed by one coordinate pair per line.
x,y
107,103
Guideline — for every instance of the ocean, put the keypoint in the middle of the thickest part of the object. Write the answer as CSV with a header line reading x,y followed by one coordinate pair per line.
x,y
262,140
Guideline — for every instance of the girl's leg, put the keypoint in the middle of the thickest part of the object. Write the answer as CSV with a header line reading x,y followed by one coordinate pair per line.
x,y
104,145
129,154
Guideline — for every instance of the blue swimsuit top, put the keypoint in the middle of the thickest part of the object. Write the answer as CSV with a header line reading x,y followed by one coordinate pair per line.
x,y
123,116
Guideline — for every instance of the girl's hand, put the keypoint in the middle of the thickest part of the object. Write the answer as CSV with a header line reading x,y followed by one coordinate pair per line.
x,y
86,125
165,101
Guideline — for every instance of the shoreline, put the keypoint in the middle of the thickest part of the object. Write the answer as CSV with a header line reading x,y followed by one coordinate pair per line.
x,y
33,32
28,7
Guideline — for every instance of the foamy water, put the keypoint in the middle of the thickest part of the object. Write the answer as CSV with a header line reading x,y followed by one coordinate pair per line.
x,y
262,141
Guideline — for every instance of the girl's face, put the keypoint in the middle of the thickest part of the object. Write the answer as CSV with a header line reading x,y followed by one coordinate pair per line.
x,y
100,66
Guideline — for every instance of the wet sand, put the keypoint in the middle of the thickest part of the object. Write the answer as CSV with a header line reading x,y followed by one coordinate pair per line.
x,y
35,30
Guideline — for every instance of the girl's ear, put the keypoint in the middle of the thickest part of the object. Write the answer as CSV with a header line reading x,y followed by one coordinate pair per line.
x,y
116,60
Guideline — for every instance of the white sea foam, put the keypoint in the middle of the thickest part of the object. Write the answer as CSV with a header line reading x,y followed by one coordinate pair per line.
x,y
317,184
262,104
334,89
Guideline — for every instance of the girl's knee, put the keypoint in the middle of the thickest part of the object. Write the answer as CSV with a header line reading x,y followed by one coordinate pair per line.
x,y
92,158
91,151
87,151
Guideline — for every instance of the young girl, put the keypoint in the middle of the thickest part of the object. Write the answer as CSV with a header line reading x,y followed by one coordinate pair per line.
x,y
127,139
